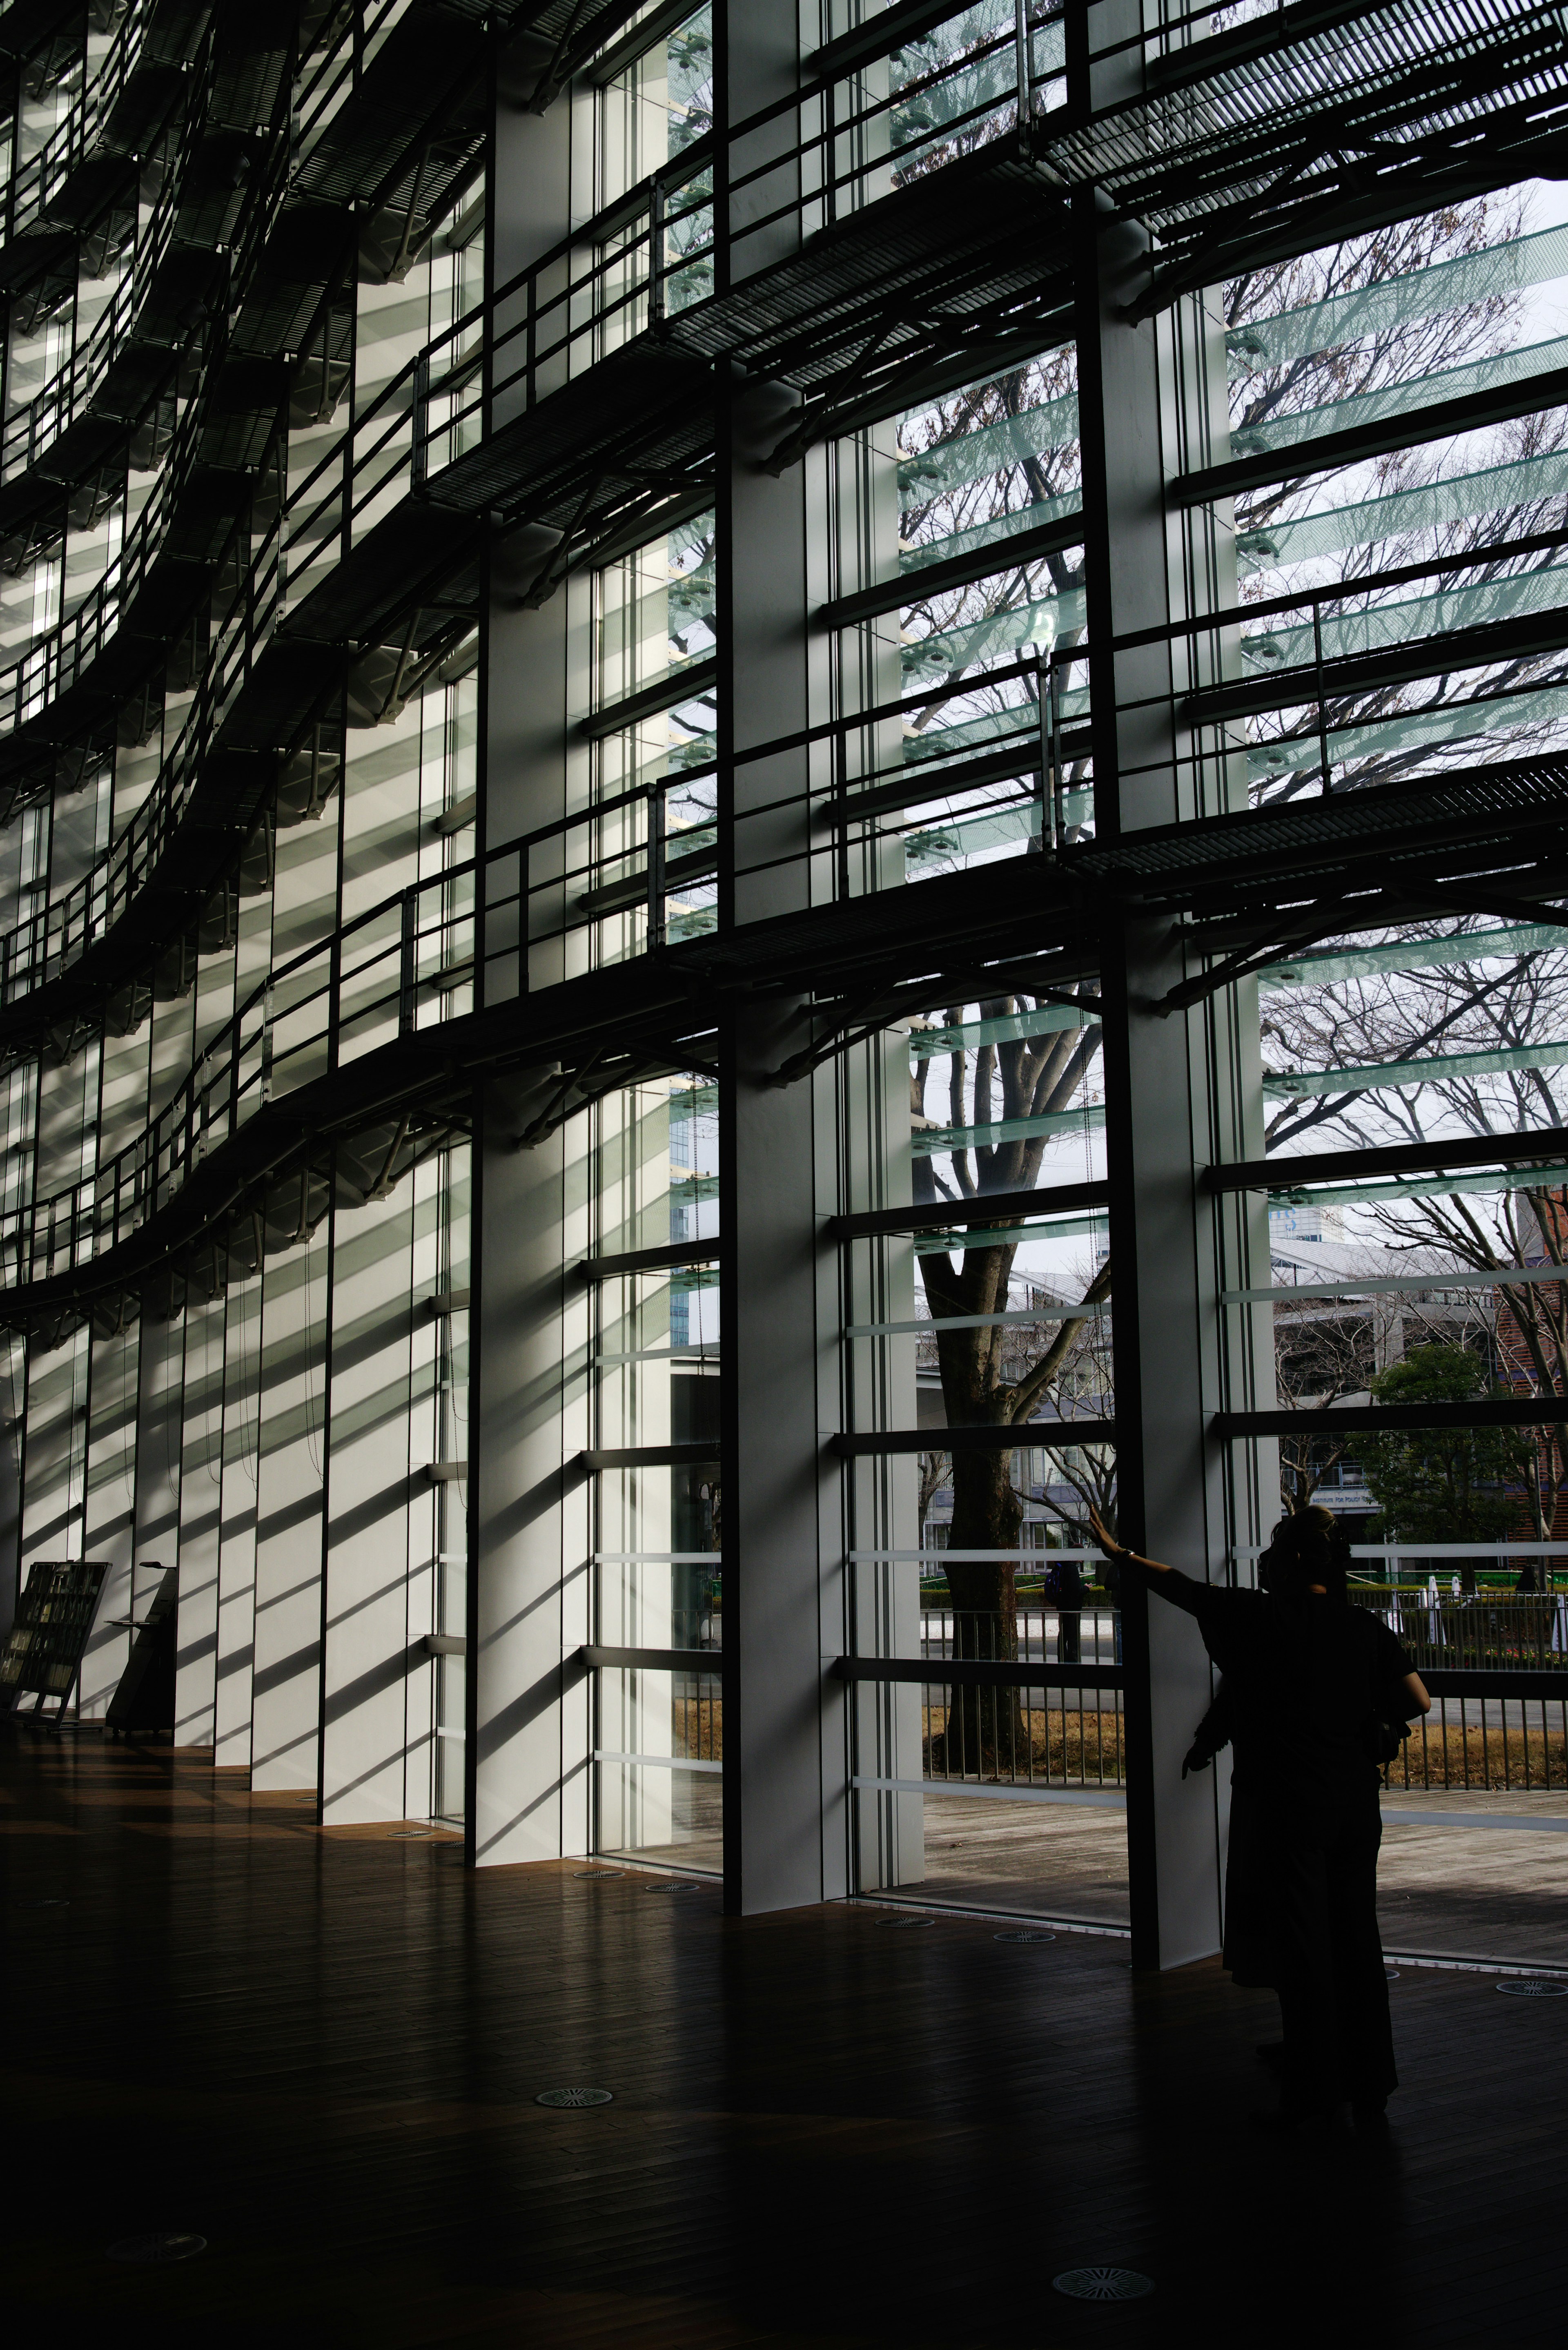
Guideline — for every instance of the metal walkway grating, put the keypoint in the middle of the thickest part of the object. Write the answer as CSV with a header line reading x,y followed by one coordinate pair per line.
x,y
1493,805
1235,142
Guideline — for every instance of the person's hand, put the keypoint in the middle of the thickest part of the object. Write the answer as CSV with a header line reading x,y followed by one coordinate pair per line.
x,y
1107,1540
1194,1758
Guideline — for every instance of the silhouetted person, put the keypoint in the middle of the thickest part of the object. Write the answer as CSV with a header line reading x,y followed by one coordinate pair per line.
x,y
1310,1684
1069,1596
1212,1735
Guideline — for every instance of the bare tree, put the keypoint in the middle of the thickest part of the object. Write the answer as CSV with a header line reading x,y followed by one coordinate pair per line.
x,y
1025,463
1082,1386
1321,1355
1329,1350
1414,1021
1012,1080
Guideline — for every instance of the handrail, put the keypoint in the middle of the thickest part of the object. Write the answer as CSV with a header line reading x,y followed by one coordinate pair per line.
x,y
45,944
57,935
31,430
238,1074
340,69
48,941
50,664
46,666
649,200
34,187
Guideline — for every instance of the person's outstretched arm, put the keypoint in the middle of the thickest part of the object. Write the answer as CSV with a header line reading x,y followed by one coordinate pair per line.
x,y
1415,1698
1212,1733
1169,1581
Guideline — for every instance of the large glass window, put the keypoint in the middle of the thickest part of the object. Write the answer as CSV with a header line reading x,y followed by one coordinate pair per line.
x,y
658,1500
990,1786
451,1370
973,746
653,122
1432,538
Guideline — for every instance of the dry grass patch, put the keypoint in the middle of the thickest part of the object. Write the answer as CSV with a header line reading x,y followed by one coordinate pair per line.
x,y
1071,1748
1439,1755
697,1725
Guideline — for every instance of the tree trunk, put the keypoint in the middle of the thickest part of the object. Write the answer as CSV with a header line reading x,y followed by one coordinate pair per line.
x,y
985,1728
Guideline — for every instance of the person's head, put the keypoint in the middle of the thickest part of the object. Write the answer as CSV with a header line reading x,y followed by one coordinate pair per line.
x,y
1307,1554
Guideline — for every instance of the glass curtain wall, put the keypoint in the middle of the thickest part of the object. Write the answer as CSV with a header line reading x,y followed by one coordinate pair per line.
x,y
1004,1328
1402,622
655,1345
657,1560
984,674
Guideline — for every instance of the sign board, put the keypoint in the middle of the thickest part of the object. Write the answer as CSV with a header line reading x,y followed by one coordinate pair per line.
x,y
54,1615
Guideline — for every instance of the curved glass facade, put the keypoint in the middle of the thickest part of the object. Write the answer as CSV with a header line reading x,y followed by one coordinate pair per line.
x,y
780,791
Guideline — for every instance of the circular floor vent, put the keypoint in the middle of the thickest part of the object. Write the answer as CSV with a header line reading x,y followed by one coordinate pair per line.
x,y
599,1872
905,1923
1535,1987
570,2099
673,1885
1390,1974
1024,1934
1103,2284
154,2252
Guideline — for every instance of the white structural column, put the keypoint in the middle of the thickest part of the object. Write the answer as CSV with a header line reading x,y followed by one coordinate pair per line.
x,y
528,1727
108,1515
377,1672
285,1688
13,1363
160,1379
786,1825
369,1653
528,1707
1147,414
56,1444
240,1470
197,1439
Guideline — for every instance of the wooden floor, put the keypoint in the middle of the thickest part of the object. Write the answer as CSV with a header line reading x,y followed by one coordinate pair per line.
x,y
321,2052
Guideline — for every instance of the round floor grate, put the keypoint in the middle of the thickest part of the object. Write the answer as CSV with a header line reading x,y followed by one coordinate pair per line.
x,y
1535,1987
570,2099
155,2252
1103,2284
1023,1935
672,1885
599,1872
905,1923
1390,1974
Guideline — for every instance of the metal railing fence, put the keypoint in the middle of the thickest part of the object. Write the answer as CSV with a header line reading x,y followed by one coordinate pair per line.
x,y
1041,1736
336,503
382,975
32,427
1485,1631
1492,1745
620,274
35,185
1087,1635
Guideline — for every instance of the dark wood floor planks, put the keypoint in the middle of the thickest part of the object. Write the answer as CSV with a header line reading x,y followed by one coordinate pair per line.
x,y
321,2052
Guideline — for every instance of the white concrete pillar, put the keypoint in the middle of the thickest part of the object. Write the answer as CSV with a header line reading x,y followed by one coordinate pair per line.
x,y
241,1442
108,1515
285,1688
528,1715
373,1671
199,1436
